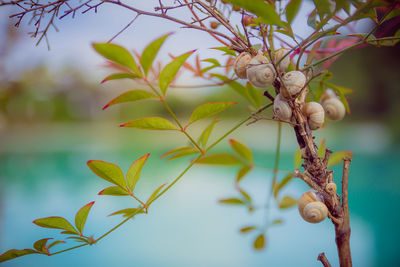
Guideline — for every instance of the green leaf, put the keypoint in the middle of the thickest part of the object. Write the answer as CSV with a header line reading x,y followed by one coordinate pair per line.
x,y
108,171
337,157
117,54
169,72
118,76
78,239
81,216
204,70
114,191
313,51
282,184
40,245
154,194
231,201
250,93
212,61
321,149
261,9
133,174
247,229
246,196
276,222
340,91
297,159
54,222
69,233
292,8
236,86
57,242
150,52
287,202
227,51
259,242
131,96
206,133
208,110
392,14
312,19
242,172
175,150
151,123
127,212
242,150
345,4
323,7
220,159
184,153
15,253
254,95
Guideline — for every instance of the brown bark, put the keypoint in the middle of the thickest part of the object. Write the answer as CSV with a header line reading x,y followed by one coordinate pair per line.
x,y
343,230
322,258
317,176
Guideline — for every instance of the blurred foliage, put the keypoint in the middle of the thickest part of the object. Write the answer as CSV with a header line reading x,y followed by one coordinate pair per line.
x,y
374,76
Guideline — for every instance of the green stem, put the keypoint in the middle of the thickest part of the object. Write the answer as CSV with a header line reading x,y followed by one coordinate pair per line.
x,y
65,250
237,126
316,35
137,199
168,108
271,38
169,186
118,225
181,127
176,179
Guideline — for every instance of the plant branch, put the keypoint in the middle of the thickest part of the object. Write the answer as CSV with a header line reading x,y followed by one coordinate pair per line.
x,y
168,187
322,258
165,16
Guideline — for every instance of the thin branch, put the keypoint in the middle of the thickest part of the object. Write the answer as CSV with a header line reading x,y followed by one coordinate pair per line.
x,y
322,258
269,96
345,182
326,157
123,29
165,16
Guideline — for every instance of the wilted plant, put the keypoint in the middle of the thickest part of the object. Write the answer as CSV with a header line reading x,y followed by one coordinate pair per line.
x,y
294,80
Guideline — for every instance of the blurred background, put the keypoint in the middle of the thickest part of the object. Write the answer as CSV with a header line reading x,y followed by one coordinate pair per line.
x,y
51,123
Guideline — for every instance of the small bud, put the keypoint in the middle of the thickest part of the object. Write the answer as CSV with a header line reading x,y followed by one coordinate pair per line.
x,y
214,25
247,20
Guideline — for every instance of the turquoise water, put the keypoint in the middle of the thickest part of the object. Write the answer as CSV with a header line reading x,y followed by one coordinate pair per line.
x,y
187,227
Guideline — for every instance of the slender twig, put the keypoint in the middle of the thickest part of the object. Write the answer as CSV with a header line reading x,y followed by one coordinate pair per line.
x,y
170,185
345,182
123,29
165,16
202,25
322,258
328,153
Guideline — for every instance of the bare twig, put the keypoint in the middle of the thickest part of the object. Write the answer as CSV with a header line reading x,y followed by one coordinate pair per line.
x,y
123,29
322,258
269,96
326,157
